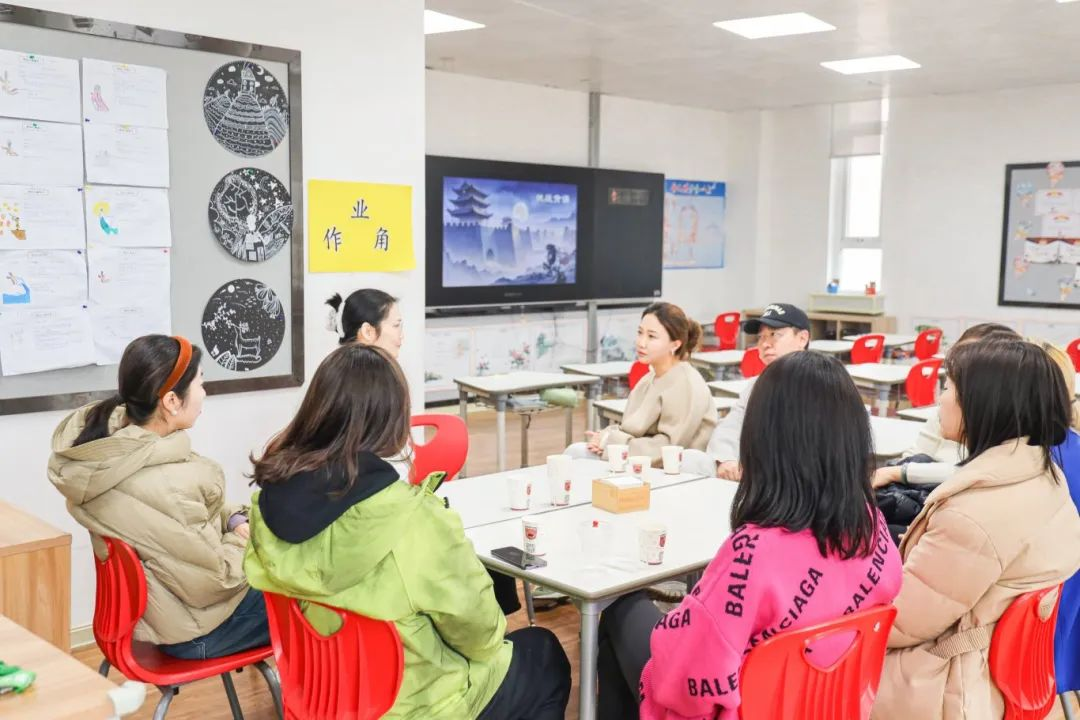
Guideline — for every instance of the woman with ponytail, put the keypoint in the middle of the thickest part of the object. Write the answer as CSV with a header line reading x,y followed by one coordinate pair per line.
x,y
126,468
367,316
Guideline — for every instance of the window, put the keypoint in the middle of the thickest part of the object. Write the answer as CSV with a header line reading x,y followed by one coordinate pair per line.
x,y
855,222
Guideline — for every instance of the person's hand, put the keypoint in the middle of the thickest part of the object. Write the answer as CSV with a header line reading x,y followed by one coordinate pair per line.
x,y
886,476
243,531
592,443
729,470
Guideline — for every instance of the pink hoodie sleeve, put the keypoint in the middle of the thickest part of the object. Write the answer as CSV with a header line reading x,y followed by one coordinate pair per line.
x,y
697,648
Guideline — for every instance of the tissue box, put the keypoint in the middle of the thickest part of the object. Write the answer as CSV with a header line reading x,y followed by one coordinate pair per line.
x,y
612,495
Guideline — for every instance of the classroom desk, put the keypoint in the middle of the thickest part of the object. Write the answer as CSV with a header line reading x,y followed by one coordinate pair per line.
x,y
606,371
882,378
920,414
718,362
892,436
696,515
611,411
35,576
730,387
64,689
497,389
892,340
832,347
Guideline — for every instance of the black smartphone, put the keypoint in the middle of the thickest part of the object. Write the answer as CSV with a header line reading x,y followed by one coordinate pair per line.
x,y
519,558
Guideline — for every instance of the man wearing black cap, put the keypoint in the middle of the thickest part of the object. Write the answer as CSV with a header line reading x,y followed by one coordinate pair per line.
x,y
782,329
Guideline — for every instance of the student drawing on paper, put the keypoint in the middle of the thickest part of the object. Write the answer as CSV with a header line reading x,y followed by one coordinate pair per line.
x,y
6,86
22,297
99,102
102,210
9,149
103,278
9,215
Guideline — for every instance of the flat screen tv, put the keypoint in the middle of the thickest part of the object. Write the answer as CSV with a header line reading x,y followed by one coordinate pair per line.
x,y
502,233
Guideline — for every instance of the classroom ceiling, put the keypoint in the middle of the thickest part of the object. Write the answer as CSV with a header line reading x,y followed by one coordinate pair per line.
x,y
668,50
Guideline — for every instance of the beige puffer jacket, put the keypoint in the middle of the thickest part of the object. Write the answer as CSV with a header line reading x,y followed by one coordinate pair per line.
x,y
1000,527
168,503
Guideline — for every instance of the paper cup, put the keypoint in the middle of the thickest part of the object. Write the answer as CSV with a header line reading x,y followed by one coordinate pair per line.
x,y
672,457
639,464
560,478
595,537
519,491
534,538
617,457
652,537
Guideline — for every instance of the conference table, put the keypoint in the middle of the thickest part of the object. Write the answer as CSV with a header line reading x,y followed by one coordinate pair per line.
x,y
694,509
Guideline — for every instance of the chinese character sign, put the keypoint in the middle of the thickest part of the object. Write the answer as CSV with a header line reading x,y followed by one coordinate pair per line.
x,y
359,227
694,233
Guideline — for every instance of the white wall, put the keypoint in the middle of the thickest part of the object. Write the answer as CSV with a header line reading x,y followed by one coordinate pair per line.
x,y
945,163
360,122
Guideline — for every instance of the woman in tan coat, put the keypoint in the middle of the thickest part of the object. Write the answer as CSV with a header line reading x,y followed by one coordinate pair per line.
x,y
126,468
671,405
1002,525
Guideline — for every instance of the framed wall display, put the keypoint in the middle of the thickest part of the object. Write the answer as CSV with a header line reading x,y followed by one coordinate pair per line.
x,y
1040,236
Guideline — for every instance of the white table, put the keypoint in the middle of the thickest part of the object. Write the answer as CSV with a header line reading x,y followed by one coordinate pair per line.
x,y
498,388
882,378
615,370
892,436
483,499
730,387
718,361
919,414
696,515
832,347
891,340
611,411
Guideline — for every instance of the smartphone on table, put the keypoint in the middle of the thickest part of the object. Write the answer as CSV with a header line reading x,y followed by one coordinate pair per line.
x,y
519,558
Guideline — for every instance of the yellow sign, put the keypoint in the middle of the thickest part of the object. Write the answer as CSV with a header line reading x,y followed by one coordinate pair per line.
x,y
359,227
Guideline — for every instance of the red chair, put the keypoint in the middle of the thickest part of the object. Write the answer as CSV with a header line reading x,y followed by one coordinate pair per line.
x,y
928,344
637,371
1022,655
751,365
922,383
120,604
778,682
446,452
1074,353
355,673
727,330
868,349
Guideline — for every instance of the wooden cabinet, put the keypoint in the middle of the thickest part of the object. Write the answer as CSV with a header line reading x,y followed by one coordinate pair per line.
x,y
35,576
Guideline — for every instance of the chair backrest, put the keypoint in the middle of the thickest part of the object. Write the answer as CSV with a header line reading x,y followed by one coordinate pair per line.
x,y
751,365
778,682
119,604
922,383
637,371
355,673
928,344
727,330
1022,654
868,349
1074,353
446,452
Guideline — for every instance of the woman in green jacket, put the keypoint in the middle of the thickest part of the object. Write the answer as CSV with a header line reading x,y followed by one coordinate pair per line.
x,y
332,524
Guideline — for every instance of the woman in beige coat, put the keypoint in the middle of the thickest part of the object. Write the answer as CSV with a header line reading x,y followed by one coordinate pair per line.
x,y
126,468
1001,526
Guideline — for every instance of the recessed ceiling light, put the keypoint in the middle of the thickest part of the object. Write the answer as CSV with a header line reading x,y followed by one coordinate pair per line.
x,y
882,63
437,22
798,23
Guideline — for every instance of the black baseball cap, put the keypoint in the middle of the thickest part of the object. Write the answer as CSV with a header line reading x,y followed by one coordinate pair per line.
x,y
777,315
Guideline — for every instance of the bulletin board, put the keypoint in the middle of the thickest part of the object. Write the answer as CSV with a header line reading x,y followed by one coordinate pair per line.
x,y
235,256
1040,242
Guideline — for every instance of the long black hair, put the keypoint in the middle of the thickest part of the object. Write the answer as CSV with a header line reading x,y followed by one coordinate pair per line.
x,y
145,366
807,456
368,305
1007,390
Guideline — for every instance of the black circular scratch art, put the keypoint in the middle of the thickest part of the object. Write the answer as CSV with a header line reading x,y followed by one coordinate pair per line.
x,y
251,214
243,325
246,108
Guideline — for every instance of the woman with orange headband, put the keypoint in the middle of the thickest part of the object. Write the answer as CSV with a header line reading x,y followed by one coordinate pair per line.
x,y
126,468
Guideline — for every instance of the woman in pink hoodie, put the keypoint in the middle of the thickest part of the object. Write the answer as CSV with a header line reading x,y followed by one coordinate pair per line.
x,y
808,546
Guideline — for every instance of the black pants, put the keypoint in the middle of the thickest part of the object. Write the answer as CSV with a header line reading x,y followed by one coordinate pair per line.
x,y
625,629
505,588
537,685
